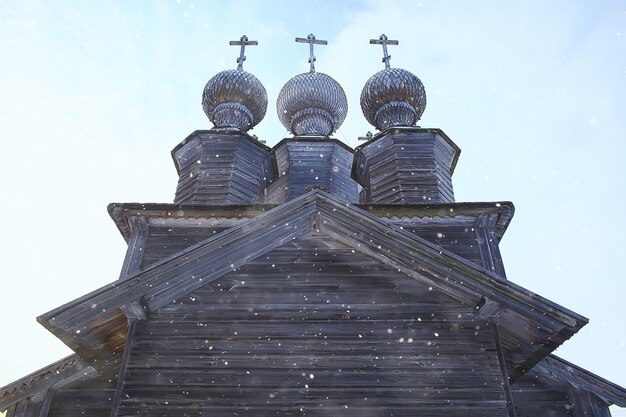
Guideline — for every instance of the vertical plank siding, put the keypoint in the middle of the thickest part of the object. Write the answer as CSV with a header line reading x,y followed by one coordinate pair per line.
x,y
317,329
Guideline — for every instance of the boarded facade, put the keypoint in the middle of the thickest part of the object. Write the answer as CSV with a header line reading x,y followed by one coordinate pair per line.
x,y
312,279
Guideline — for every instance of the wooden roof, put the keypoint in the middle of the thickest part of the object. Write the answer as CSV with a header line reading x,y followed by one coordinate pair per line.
x,y
47,377
122,212
554,370
94,325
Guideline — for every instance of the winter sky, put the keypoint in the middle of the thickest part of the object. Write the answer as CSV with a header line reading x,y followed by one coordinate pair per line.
x,y
94,95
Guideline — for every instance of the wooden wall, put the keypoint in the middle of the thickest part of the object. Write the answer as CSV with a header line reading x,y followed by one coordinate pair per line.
x,y
87,397
542,392
222,168
313,329
460,235
306,163
534,399
163,241
406,166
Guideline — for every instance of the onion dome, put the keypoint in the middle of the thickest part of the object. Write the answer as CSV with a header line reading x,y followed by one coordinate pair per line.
x,y
235,98
313,103
393,96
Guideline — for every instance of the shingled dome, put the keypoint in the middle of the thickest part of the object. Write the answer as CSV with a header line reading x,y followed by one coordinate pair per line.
x,y
312,104
393,97
234,99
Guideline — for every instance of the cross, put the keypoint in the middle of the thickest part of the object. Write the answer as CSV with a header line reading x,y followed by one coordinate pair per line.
x,y
384,41
311,40
243,42
367,136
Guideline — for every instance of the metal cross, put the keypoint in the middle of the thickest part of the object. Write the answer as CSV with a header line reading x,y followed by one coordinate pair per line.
x,y
384,41
243,42
311,40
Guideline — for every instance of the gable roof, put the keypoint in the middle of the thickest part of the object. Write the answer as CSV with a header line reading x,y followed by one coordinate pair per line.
x,y
59,372
94,325
553,370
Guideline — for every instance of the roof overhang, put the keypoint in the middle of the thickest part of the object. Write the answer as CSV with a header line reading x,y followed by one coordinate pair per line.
x,y
93,325
121,213
553,370
52,376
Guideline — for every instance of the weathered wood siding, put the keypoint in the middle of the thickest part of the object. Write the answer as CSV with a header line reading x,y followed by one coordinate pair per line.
x,y
460,235
533,398
544,393
406,166
222,168
313,328
86,397
471,238
307,163
164,241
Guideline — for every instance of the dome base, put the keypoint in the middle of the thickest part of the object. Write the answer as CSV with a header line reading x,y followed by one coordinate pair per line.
x,y
232,115
395,113
312,122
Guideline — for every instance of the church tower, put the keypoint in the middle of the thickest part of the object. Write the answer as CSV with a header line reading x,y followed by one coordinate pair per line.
x,y
313,279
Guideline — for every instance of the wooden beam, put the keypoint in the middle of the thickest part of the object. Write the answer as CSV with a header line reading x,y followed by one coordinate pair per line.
x,y
585,404
488,309
136,246
31,406
510,405
488,243
10,412
122,370
45,403
136,309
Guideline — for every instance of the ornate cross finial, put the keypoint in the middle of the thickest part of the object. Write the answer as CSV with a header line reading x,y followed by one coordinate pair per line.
x,y
243,42
384,41
311,40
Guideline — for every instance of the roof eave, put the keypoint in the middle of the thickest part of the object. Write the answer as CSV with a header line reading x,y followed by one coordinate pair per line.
x,y
380,239
41,380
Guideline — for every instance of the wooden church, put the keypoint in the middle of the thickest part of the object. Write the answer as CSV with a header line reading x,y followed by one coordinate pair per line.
x,y
313,279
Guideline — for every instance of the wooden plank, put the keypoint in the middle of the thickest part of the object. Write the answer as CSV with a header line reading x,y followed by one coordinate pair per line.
x,y
406,167
136,246
222,168
585,404
207,364
10,411
177,276
43,379
115,402
510,405
90,395
45,404
532,398
307,163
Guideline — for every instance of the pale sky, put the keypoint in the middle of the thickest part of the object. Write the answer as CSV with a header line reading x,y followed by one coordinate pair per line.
x,y
94,95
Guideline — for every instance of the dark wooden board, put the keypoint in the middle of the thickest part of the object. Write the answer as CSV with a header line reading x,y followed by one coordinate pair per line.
x,y
313,324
